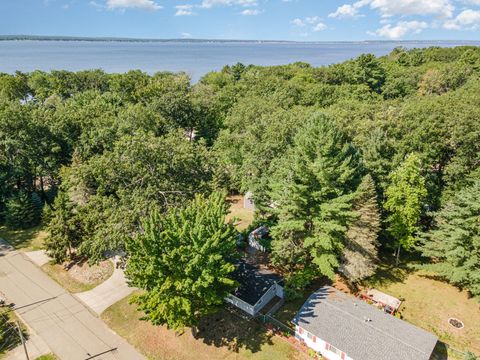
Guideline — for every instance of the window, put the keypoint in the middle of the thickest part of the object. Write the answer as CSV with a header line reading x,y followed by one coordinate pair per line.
x,y
334,350
311,337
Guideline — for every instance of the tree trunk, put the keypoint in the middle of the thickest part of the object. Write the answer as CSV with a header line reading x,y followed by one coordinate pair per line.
x,y
42,189
397,261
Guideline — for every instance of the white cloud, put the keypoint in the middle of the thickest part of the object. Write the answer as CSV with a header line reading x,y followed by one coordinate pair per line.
x,y
312,19
440,8
186,35
319,27
251,12
347,10
211,3
473,2
400,29
344,11
313,22
468,19
389,8
298,22
131,4
183,10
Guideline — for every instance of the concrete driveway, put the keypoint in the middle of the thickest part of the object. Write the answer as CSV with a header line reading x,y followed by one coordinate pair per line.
x,y
113,289
69,329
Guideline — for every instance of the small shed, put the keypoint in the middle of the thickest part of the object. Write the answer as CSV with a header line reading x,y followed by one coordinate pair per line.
x,y
387,302
256,236
257,287
248,202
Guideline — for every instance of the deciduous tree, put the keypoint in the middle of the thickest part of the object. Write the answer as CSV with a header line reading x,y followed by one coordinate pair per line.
x,y
405,202
183,261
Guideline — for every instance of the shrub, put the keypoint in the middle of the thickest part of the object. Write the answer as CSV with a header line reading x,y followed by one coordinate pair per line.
x,y
23,210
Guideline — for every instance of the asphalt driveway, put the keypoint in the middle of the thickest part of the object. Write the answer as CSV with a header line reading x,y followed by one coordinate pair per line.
x,y
69,329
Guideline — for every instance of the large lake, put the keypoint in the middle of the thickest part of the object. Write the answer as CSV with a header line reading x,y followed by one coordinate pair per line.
x,y
194,58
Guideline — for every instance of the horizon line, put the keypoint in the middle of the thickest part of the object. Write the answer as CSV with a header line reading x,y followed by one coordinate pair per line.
x,y
132,39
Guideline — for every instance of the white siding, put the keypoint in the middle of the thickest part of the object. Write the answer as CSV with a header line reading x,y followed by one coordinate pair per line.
x,y
318,345
240,304
275,289
279,291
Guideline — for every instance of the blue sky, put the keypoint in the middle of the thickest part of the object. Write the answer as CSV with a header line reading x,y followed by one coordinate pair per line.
x,y
304,20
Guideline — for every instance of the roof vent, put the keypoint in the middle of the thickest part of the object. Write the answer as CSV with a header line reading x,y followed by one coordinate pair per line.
x,y
366,319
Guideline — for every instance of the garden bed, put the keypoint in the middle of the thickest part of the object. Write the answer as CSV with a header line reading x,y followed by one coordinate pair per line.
x,y
80,276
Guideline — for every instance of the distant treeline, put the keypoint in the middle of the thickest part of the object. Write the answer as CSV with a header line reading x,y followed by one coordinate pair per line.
x,y
82,38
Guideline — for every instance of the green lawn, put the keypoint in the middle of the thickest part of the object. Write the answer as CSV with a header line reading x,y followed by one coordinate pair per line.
x,y
47,357
81,277
243,217
26,240
222,336
9,337
429,303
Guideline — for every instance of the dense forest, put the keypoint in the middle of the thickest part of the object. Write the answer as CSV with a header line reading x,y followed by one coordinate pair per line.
x,y
346,163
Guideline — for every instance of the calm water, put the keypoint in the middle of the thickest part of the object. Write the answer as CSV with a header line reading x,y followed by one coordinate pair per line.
x,y
194,58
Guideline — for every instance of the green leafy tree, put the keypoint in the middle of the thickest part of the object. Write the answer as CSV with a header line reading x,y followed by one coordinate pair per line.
x,y
183,261
454,242
405,202
360,255
311,194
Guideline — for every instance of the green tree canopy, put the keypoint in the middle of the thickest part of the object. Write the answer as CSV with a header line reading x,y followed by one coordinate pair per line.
x,y
311,196
360,257
183,261
405,202
454,242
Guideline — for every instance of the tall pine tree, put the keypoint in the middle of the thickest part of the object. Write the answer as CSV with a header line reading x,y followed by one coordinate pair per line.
x,y
312,192
360,254
64,228
454,242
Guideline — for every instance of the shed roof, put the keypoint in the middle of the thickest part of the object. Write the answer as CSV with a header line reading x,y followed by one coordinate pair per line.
x,y
361,330
253,281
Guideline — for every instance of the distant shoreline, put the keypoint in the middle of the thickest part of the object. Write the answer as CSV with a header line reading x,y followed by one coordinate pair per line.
x,y
141,40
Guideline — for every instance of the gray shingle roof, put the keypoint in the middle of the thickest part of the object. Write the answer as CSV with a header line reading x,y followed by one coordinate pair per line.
x,y
362,331
253,281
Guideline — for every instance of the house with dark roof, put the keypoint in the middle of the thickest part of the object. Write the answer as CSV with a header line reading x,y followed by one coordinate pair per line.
x,y
257,287
341,327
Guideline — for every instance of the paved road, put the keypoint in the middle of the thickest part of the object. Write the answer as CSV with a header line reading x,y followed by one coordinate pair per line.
x,y
69,329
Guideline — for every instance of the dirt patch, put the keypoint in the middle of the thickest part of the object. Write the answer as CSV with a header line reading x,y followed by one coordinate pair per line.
x,y
342,285
79,277
88,274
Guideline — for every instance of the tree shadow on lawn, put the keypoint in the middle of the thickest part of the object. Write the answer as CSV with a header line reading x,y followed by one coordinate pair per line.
x,y
30,239
230,330
440,352
389,273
